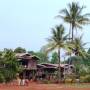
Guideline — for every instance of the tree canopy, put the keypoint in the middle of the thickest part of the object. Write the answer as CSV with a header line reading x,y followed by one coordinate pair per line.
x,y
9,66
54,58
20,50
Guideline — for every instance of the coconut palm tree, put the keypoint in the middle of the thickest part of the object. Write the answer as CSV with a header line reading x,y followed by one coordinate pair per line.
x,y
73,15
56,42
78,47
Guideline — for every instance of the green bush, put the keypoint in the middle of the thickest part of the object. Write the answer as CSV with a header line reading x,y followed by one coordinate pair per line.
x,y
70,78
47,82
2,79
85,79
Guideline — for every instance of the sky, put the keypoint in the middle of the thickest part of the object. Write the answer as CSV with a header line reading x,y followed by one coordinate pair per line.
x,y
27,23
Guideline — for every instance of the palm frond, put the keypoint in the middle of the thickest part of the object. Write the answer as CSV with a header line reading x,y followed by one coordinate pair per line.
x,y
57,40
74,16
48,48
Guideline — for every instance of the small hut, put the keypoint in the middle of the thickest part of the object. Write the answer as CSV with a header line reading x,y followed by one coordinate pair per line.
x,y
29,65
48,70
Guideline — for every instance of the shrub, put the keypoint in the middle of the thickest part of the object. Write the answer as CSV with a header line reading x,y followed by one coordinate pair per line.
x,y
70,78
85,79
2,79
47,81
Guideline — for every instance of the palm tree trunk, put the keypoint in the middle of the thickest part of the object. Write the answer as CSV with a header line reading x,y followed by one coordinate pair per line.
x,y
59,69
72,32
69,60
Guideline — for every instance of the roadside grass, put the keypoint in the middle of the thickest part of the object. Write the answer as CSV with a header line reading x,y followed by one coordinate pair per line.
x,y
78,85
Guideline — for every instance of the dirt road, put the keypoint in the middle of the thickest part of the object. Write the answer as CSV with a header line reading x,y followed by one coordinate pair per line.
x,y
43,87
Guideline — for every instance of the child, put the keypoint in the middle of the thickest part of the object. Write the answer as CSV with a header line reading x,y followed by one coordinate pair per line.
x,y
26,82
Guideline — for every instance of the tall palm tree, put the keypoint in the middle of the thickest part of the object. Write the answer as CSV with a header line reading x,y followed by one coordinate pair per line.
x,y
73,15
78,47
57,41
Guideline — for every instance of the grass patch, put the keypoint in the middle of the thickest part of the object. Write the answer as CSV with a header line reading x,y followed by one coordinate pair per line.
x,y
77,85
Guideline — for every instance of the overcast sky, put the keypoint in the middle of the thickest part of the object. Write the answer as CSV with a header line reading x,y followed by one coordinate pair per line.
x,y
27,23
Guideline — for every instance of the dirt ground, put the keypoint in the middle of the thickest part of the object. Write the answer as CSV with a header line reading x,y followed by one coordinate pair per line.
x,y
34,86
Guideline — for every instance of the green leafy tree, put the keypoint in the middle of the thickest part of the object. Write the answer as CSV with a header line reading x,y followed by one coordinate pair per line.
x,y
31,52
54,59
88,51
43,58
10,65
20,50
75,59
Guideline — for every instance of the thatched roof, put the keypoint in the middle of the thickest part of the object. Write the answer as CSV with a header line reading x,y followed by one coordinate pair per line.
x,y
49,65
26,56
